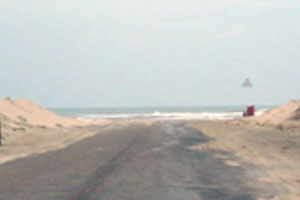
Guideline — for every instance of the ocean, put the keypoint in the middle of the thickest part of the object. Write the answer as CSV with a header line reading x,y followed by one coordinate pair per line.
x,y
166,113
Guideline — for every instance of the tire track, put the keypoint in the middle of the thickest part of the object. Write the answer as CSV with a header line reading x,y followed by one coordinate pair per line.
x,y
95,180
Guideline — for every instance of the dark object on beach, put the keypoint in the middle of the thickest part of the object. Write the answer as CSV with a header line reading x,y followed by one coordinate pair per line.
x,y
250,111
280,127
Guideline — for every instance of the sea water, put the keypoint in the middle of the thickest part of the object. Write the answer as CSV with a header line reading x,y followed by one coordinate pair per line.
x,y
166,113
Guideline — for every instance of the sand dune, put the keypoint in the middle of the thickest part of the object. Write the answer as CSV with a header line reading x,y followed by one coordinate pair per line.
x,y
26,113
28,129
286,116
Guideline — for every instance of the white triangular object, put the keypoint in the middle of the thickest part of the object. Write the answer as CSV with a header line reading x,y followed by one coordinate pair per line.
x,y
247,83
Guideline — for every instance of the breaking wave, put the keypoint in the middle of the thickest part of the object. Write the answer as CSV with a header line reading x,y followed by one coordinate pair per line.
x,y
167,115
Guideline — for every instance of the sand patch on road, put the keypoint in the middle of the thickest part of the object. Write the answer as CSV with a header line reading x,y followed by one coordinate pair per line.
x,y
276,152
35,141
231,163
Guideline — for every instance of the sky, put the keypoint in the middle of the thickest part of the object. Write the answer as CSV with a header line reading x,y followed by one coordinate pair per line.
x,y
96,53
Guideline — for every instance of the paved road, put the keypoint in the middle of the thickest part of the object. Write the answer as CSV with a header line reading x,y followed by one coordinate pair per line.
x,y
135,163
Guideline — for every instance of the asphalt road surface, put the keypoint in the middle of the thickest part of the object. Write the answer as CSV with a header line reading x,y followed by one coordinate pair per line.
x,y
135,163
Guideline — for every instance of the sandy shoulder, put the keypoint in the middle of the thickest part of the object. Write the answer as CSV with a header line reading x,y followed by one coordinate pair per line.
x,y
25,142
20,143
277,152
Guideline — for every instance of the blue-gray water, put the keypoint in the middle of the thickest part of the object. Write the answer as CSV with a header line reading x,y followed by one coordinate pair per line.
x,y
200,112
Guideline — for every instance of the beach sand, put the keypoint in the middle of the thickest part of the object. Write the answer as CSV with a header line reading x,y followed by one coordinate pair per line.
x,y
275,151
30,129
18,144
286,117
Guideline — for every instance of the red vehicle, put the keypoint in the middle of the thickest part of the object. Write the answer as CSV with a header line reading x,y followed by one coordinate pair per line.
x,y
250,111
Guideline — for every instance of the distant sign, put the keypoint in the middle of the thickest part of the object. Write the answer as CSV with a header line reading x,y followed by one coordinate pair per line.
x,y
247,83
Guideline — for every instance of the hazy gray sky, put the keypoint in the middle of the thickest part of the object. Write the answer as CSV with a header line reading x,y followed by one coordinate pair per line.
x,y
149,52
